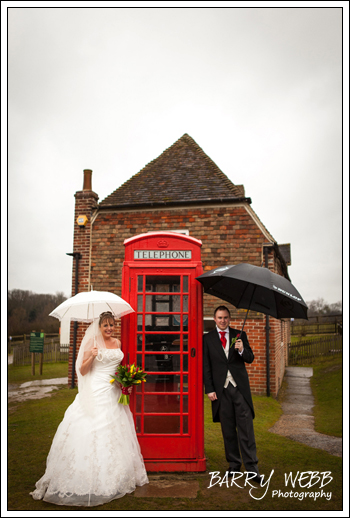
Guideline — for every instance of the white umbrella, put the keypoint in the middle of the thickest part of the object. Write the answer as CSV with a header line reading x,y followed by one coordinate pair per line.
x,y
88,305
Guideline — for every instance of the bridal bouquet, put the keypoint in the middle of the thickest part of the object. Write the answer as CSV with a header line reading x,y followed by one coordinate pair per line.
x,y
128,375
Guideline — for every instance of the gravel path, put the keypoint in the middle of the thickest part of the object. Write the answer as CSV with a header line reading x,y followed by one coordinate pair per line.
x,y
297,422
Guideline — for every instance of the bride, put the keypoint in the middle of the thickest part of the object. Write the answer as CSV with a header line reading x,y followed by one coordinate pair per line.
x,y
95,456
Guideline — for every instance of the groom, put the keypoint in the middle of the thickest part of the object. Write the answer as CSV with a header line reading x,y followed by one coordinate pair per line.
x,y
226,381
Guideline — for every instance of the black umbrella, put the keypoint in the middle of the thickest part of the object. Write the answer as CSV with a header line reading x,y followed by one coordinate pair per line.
x,y
256,288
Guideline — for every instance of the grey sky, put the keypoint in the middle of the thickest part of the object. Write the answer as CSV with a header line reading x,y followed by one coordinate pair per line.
x,y
259,89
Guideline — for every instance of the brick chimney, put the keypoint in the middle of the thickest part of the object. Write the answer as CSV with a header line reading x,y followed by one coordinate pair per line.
x,y
85,203
87,180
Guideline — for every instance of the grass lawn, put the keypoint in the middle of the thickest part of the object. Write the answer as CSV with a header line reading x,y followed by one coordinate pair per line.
x,y
32,425
295,339
22,373
327,387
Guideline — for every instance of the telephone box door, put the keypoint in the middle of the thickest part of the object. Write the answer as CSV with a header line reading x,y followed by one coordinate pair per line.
x,y
164,337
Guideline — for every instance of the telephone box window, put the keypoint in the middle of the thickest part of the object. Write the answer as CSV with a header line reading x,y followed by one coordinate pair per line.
x,y
185,384
185,424
167,424
168,283
158,403
162,306
161,342
138,423
159,363
185,303
162,383
161,322
185,362
185,283
185,404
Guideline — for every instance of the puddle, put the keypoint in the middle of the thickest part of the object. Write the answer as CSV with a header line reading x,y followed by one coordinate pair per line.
x,y
36,389
55,381
30,393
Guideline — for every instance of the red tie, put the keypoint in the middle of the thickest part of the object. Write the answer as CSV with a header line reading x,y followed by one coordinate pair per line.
x,y
223,338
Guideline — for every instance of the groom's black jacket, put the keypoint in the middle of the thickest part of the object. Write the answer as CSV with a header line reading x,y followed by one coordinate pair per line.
x,y
216,365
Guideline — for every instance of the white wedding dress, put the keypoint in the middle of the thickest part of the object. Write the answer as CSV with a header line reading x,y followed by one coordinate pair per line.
x,y
94,458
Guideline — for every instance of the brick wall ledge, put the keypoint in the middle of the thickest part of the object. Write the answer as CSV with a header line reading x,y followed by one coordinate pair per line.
x,y
205,201
86,194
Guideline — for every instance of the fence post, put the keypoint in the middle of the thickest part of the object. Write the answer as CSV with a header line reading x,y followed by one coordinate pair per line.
x,y
33,363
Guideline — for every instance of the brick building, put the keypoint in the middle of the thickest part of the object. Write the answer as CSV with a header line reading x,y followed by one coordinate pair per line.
x,y
183,191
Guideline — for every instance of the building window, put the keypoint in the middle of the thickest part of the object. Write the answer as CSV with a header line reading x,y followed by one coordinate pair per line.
x,y
208,324
182,231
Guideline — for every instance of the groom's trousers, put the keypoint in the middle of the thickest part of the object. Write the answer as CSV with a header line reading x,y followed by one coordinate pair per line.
x,y
237,429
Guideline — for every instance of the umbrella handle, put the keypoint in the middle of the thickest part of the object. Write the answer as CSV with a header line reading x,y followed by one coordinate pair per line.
x,y
244,321
251,298
99,355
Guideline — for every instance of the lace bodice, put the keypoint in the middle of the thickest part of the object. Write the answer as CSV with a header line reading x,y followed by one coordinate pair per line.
x,y
110,355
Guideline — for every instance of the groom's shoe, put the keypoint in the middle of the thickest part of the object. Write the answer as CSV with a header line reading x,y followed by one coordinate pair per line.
x,y
257,478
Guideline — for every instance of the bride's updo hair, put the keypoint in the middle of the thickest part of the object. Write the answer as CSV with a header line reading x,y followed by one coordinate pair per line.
x,y
107,315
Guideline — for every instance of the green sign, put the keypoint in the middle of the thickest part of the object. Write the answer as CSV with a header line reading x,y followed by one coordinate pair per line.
x,y
36,344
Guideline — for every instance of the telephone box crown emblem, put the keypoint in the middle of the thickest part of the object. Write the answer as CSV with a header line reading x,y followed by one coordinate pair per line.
x,y
162,243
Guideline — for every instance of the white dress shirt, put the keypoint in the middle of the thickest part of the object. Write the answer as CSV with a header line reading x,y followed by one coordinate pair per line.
x,y
229,378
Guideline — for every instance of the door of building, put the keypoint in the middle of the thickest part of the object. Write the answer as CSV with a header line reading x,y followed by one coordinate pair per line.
x,y
164,337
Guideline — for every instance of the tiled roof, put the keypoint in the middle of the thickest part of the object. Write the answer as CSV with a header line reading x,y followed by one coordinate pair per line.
x,y
182,173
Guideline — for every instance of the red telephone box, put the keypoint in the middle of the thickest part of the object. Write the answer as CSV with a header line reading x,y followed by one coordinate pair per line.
x,y
164,335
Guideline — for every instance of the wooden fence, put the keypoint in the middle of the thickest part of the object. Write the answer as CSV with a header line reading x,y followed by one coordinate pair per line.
x,y
316,326
307,350
53,352
13,341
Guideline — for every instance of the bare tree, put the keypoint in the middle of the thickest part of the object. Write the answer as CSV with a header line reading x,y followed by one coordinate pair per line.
x,y
28,311
320,307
